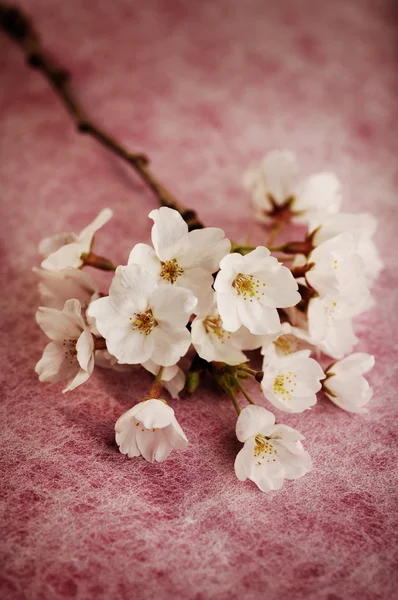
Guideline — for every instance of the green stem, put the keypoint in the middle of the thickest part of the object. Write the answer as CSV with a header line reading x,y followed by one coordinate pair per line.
x,y
242,389
234,400
242,249
159,375
257,375
277,248
247,370
275,231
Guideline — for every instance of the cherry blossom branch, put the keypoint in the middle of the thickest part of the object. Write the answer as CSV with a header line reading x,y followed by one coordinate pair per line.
x,y
99,344
18,27
298,272
99,262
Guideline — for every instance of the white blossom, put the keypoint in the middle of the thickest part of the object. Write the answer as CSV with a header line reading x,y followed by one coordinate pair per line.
x,y
275,183
142,319
64,250
250,288
56,287
330,326
173,377
345,384
150,429
271,452
291,382
70,354
362,227
337,269
292,339
213,343
182,258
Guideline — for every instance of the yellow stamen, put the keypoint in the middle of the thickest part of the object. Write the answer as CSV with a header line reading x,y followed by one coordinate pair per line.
x,y
213,324
284,386
247,286
171,270
144,322
263,447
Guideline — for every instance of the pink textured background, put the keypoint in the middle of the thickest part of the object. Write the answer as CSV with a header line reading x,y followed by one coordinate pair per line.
x,y
204,88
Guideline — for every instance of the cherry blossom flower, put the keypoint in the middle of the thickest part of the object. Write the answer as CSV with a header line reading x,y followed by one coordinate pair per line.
x,y
337,269
291,382
292,339
182,258
362,227
330,326
275,187
173,377
70,354
150,429
56,287
330,323
250,288
271,452
142,320
64,250
213,343
345,385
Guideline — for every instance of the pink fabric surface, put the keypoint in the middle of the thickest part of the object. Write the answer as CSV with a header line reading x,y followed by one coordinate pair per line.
x,y
204,88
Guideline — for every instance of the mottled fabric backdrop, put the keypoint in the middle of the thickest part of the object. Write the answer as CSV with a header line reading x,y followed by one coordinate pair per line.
x,y
204,88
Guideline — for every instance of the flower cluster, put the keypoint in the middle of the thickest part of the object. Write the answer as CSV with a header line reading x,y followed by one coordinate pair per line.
x,y
197,295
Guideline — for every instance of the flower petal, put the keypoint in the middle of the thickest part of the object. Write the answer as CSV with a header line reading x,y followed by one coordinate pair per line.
x,y
280,174
253,420
154,413
281,290
176,384
258,319
129,345
176,436
295,465
56,287
53,243
66,256
145,256
169,346
199,282
167,232
204,248
80,378
213,346
153,445
288,437
130,289
355,364
61,324
266,474
317,195
228,309
86,235
125,429
234,262
106,318
85,351
172,306
54,365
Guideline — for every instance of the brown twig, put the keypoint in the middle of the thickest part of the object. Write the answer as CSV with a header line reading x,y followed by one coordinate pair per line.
x,y
17,26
